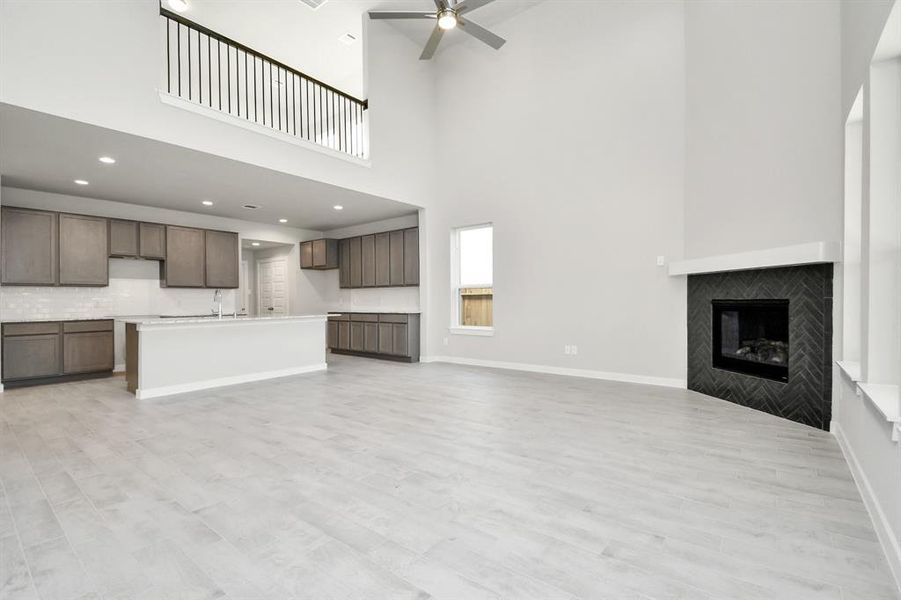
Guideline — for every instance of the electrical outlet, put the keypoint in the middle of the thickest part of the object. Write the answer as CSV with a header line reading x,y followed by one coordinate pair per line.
x,y
575,350
661,260
567,349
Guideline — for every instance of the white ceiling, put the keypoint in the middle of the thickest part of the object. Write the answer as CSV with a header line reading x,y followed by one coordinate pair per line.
x,y
307,39
46,153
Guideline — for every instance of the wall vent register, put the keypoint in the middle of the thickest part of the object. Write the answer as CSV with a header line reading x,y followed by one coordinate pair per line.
x,y
751,337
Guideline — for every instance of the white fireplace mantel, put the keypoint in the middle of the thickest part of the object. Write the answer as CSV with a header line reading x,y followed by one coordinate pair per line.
x,y
786,256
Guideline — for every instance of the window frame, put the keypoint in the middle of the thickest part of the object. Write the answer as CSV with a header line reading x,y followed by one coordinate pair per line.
x,y
456,327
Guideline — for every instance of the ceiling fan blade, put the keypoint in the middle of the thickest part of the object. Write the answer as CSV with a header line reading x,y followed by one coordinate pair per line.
x,y
432,44
481,34
387,14
440,4
467,5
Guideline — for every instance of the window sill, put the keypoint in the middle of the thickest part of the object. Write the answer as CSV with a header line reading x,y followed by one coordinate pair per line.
x,y
483,331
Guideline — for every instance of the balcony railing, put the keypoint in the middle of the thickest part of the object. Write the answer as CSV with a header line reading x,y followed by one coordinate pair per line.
x,y
212,70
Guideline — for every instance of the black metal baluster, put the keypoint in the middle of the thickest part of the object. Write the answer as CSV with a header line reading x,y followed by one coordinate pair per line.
x,y
168,58
209,70
178,38
309,110
228,75
219,70
271,103
293,103
255,106
199,70
246,92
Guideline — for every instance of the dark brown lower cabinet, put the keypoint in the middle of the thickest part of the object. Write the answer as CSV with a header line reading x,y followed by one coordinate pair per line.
x,y
384,335
87,352
37,351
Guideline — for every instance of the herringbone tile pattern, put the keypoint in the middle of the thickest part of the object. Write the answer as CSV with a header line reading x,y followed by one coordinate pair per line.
x,y
806,398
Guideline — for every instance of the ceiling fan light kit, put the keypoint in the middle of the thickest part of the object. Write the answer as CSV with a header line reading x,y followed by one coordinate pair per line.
x,y
448,15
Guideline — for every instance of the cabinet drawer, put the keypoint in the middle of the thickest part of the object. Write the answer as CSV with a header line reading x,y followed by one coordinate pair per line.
x,y
30,356
365,317
87,352
394,318
79,326
341,317
30,328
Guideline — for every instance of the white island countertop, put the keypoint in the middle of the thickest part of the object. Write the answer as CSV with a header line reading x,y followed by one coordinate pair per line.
x,y
155,321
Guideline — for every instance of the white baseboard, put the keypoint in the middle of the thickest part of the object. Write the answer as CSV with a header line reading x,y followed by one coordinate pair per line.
x,y
569,372
168,390
890,544
120,368
1,388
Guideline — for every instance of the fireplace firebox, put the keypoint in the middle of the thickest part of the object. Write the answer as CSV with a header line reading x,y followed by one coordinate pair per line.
x,y
751,337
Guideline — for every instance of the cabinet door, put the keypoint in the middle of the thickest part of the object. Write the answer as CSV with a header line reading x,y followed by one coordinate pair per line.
x,y
344,263
184,257
356,337
29,246
411,256
123,238
332,334
371,337
83,250
87,352
386,338
382,259
401,347
367,252
356,263
396,258
152,241
306,255
31,356
344,335
221,259
320,253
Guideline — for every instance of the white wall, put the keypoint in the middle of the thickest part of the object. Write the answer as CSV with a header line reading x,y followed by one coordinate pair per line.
x,y
392,299
764,125
578,164
102,63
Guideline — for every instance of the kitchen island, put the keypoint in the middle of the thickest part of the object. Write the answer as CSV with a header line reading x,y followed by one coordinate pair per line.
x,y
173,356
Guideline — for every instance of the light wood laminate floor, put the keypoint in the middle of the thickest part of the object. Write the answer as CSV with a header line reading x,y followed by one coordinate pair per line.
x,y
379,480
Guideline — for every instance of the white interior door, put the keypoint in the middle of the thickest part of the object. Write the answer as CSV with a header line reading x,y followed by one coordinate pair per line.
x,y
272,281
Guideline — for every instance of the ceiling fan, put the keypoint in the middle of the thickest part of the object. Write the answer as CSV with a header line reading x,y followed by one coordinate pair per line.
x,y
449,14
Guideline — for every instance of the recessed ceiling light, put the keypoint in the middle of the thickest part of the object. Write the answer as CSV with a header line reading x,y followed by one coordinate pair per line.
x,y
283,220
178,5
347,39
107,160
207,202
254,243
81,181
338,207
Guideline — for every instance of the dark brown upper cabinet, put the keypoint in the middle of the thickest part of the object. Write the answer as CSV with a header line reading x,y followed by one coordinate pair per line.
x,y
356,263
185,263
385,259
222,258
411,256
382,259
29,240
367,254
83,250
344,263
319,254
396,259
152,241
123,238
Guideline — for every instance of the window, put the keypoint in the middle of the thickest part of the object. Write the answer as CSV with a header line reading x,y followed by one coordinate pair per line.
x,y
473,280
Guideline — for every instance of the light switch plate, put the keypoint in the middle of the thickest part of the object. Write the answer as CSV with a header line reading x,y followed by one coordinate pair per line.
x,y
661,260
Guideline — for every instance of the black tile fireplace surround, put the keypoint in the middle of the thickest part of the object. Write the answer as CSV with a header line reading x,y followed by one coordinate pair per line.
x,y
763,338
